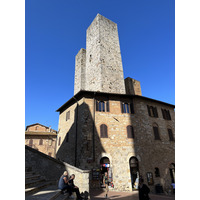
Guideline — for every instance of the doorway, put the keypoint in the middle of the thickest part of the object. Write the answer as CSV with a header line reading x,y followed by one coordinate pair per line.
x,y
105,167
134,172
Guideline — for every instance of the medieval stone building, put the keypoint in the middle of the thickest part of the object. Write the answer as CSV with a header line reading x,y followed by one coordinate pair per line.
x,y
41,138
108,125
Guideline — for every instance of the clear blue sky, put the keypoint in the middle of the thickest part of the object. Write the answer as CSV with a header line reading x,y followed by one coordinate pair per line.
x,y
56,30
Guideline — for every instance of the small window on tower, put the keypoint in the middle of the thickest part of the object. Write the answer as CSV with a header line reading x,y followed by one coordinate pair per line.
x,y
157,172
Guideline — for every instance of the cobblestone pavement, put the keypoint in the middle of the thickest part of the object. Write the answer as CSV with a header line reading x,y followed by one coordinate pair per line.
x,y
99,195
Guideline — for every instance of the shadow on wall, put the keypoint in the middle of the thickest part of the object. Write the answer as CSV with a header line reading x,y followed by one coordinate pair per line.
x,y
81,146
151,153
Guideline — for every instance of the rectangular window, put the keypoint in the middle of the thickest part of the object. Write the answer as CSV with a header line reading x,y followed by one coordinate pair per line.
x,y
166,114
127,108
68,115
152,111
102,106
59,141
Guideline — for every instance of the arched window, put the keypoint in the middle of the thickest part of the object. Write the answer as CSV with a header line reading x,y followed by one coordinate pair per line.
x,y
103,131
41,142
156,132
130,132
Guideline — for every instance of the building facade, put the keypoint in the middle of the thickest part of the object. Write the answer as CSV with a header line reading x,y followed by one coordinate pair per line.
x,y
41,138
109,126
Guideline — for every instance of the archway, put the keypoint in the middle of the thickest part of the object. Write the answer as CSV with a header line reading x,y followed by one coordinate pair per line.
x,y
105,167
134,172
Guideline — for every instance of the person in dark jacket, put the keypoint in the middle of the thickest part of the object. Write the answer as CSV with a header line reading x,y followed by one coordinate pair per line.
x,y
143,190
74,188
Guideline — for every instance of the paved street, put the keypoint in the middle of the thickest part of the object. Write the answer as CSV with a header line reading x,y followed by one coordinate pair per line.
x,y
99,195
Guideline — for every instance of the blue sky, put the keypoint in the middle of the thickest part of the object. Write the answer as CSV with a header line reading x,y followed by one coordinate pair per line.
x,y
56,30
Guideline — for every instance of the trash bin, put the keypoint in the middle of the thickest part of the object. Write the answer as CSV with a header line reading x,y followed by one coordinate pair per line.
x,y
158,188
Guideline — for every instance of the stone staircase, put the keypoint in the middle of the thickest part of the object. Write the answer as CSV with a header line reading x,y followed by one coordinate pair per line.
x,y
37,188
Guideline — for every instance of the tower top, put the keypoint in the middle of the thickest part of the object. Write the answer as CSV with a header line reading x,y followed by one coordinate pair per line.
x,y
101,65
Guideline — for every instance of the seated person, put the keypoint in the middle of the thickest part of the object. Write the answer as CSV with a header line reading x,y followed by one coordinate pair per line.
x,y
63,183
74,188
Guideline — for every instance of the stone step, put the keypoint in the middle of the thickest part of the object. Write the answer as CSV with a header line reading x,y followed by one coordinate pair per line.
x,y
39,187
32,177
30,173
48,193
32,183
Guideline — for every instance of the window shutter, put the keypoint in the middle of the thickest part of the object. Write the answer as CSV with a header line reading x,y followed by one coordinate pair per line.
x,y
155,112
59,141
171,137
107,106
169,117
130,132
97,105
148,108
132,108
163,113
103,131
103,106
122,107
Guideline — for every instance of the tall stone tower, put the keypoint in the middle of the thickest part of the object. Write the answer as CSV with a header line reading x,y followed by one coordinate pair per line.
x,y
99,67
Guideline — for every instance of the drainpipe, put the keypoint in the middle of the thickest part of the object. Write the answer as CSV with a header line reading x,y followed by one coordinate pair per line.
x,y
93,135
76,133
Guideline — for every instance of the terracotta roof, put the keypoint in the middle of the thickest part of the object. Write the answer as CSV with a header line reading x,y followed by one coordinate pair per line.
x,y
39,133
40,125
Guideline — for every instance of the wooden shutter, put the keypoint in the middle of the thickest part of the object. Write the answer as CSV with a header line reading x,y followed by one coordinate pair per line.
x,y
132,108
122,107
171,137
155,113
148,108
103,131
163,113
107,106
156,133
130,132
169,116
97,105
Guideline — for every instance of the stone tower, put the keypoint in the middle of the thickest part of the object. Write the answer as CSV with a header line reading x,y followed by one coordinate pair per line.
x,y
99,67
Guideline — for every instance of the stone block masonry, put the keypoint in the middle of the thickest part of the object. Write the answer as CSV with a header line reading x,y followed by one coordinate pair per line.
x,y
102,70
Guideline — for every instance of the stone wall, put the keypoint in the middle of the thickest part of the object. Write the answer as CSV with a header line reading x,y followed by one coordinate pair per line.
x,y
117,147
132,86
104,71
52,169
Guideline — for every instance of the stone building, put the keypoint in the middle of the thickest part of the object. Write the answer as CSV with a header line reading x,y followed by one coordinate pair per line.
x,y
109,126
41,138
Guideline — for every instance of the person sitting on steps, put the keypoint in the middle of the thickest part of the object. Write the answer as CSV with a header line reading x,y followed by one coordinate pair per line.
x,y
74,188
63,183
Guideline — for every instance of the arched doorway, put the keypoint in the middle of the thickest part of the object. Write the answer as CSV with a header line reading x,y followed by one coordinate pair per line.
x,y
134,171
105,167
172,172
